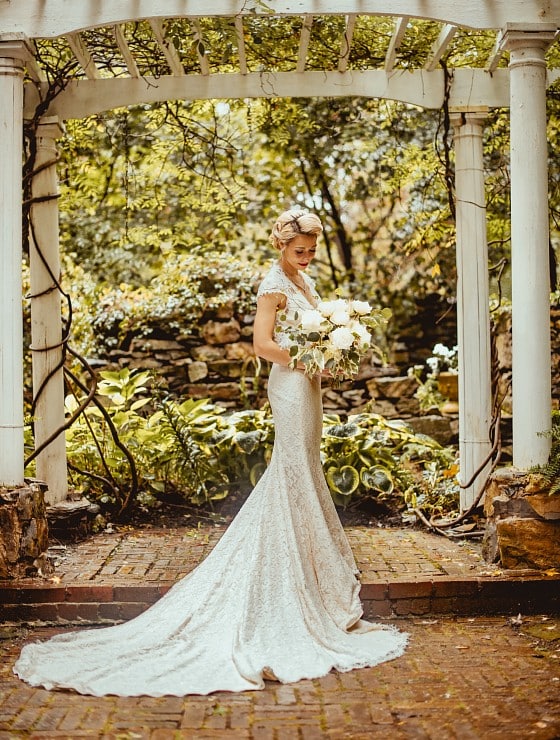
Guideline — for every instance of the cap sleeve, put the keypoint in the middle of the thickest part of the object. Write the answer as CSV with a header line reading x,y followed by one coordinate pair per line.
x,y
273,282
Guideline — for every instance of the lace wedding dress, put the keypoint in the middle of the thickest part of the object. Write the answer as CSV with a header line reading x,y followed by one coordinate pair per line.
x,y
278,597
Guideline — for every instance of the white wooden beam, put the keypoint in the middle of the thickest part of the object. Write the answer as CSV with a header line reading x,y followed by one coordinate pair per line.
x,y
169,51
530,273
46,319
473,315
470,89
124,49
346,43
304,42
495,55
11,323
38,18
240,36
398,34
82,54
440,46
32,66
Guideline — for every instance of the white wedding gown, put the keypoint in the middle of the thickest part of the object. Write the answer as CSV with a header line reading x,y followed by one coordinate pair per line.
x,y
277,597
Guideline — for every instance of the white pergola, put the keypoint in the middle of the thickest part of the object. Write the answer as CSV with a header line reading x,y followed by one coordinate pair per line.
x,y
114,53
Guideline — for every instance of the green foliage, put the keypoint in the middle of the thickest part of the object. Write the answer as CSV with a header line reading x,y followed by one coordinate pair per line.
x,y
370,457
179,438
188,287
101,467
195,449
551,469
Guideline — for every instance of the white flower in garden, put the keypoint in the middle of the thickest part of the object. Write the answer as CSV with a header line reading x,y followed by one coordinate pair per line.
x,y
361,307
340,317
342,338
433,364
442,350
311,320
327,308
361,332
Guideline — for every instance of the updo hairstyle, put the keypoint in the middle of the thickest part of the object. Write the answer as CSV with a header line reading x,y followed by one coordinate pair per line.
x,y
292,223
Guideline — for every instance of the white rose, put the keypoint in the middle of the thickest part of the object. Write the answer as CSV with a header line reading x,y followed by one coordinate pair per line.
x,y
311,320
361,332
342,338
361,307
340,317
327,308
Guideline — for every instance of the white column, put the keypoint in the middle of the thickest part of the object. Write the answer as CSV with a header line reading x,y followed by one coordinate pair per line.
x,y
11,320
529,246
46,322
473,314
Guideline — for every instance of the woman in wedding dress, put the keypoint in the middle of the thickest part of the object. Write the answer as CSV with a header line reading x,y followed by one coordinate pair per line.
x,y
278,597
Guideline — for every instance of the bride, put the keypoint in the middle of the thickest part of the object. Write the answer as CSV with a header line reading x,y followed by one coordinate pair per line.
x,y
278,597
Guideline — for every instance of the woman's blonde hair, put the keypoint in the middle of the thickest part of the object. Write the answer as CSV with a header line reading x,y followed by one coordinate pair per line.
x,y
292,223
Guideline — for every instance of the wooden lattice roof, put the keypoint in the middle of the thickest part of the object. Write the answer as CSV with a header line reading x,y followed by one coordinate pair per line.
x,y
120,52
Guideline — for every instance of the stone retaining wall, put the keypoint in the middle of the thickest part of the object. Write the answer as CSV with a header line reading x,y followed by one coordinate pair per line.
x,y
523,521
216,361
23,531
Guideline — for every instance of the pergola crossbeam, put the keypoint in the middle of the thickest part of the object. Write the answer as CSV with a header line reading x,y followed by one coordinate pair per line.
x,y
495,55
127,55
304,43
398,34
440,46
82,54
240,36
346,43
169,51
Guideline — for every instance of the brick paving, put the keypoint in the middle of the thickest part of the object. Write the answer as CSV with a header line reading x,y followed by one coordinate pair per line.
x,y
157,555
115,576
463,678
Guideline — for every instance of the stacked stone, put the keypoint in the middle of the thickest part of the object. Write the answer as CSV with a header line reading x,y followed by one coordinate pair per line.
x,y
23,530
523,521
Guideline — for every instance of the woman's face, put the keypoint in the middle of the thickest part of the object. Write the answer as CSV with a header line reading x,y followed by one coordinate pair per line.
x,y
299,251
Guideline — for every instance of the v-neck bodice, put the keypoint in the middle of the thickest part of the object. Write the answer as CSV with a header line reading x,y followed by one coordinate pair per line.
x,y
287,318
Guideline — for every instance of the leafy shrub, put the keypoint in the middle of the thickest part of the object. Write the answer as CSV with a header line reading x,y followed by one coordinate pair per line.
x,y
196,449
188,287
551,469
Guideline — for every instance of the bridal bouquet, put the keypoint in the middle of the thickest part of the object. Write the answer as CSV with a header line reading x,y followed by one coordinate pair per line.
x,y
334,336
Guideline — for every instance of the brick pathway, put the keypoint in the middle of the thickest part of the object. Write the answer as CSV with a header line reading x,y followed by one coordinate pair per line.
x,y
157,555
114,576
481,677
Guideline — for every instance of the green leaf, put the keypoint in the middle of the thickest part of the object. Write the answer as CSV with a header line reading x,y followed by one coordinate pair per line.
x,y
378,479
343,480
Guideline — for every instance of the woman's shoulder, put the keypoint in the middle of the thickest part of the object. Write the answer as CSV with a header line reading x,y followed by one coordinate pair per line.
x,y
273,282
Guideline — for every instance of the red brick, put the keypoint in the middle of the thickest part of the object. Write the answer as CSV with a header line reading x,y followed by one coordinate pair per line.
x,y
148,594
404,607
89,612
374,591
410,590
377,609
447,586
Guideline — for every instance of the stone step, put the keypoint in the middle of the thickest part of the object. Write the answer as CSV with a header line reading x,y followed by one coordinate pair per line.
x,y
530,594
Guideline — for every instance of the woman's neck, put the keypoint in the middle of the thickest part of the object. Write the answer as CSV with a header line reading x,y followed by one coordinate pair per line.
x,y
292,274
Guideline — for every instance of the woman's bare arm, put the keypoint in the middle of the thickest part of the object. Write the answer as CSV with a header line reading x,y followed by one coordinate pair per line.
x,y
263,329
